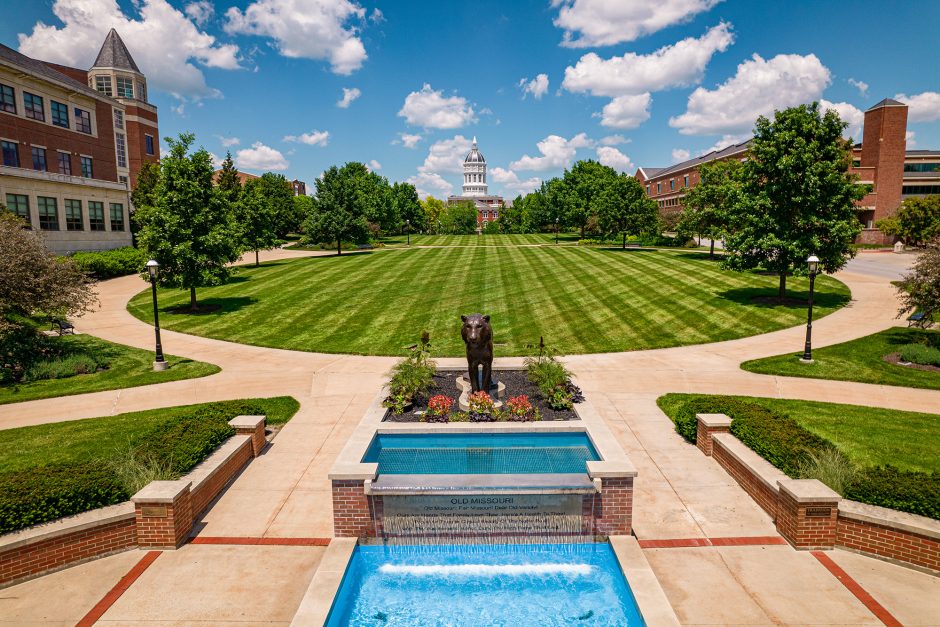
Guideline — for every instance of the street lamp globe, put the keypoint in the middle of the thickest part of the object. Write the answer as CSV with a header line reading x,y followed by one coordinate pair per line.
x,y
153,268
812,262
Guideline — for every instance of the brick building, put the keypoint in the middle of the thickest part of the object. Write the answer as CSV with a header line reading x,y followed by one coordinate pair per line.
x,y
880,160
73,142
475,188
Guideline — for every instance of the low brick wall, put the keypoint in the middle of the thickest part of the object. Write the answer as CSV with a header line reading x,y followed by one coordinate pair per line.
x,y
352,510
613,507
890,535
161,515
46,548
757,476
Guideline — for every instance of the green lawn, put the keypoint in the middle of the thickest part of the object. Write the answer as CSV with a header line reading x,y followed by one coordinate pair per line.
x,y
128,367
582,300
869,436
857,360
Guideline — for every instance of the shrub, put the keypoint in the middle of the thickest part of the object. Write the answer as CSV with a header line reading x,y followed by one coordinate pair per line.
x,y
105,264
830,466
134,469
520,409
411,377
20,347
187,441
906,491
64,366
481,407
920,354
438,408
552,379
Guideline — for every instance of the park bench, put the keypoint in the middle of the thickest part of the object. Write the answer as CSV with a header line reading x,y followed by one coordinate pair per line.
x,y
633,245
63,326
920,319
364,246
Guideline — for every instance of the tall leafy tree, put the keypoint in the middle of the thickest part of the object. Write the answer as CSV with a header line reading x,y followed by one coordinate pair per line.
x,y
147,179
581,185
433,209
229,182
706,204
920,288
916,222
257,218
344,199
408,208
280,194
623,208
190,229
460,218
797,197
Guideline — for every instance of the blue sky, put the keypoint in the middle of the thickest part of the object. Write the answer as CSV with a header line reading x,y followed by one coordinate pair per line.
x,y
540,84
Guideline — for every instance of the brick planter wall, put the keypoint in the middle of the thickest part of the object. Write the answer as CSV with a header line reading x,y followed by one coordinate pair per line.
x,y
352,510
613,507
806,514
206,489
762,489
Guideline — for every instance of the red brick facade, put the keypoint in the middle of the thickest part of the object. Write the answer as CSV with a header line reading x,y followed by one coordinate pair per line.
x,y
806,525
352,510
207,490
612,513
888,542
763,495
164,525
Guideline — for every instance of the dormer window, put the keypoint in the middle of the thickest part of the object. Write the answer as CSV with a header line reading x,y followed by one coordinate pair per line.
x,y
125,87
103,84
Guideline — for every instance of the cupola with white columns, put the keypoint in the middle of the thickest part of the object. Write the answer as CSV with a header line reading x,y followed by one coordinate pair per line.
x,y
474,173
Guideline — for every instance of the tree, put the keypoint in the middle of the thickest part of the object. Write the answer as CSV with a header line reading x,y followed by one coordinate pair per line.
x,y
256,218
581,185
32,281
433,209
920,288
190,229
148,178
512,216
341,205
916,222
408,208
303,207
280,194
707,203
623,208
459,218
230,184
797,197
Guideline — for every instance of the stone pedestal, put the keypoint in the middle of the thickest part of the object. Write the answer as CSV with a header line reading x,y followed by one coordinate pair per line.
x,y
252,426
497,391
160,366
163,513
807,512
707,426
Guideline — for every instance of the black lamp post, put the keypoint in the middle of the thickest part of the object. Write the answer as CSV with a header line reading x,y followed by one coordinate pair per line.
x,y
556,231
408,230
812,263
152,269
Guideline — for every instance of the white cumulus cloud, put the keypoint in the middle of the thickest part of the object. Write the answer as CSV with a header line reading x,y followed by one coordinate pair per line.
x,y
626,111
861,86
374,165
408,140
724,142
308,29
679,155
757,88
446,155
610,156
910,137
556,152
200,11
614,140
348,96
228,141
431,109
169,68
260,158
538,86
851,114
313,138
431,184
677,65
511,182
589,23
923,107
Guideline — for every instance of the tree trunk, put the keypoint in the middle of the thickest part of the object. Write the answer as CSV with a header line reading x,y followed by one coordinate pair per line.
x,y
582,231
711,251
192,298
624,240
339,246
257,263
782,292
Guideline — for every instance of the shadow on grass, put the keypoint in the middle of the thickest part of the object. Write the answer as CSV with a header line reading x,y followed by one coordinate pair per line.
x,y
902,337
211,306
765,297
628,249
697,255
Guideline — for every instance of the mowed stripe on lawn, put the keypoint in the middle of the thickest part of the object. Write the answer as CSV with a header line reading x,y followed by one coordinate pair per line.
x,y
580,299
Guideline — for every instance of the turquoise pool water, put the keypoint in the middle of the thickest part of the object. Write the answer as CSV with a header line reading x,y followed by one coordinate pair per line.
x,y
480,453
481,585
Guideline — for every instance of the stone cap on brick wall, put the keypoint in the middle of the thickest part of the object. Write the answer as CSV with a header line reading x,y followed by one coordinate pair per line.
x,y
809,491
161,491
885,517
714,420
769,474
611,469
246,422
71,524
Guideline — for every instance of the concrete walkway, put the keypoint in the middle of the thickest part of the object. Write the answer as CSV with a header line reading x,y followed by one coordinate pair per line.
x,y
284,494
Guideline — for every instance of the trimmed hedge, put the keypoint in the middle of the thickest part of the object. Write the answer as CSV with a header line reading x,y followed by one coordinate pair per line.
x,y
105,264
784,443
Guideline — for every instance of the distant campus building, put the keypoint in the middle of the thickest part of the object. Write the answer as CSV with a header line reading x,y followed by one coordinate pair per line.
x,y
475,188
73,142
881,160
298,188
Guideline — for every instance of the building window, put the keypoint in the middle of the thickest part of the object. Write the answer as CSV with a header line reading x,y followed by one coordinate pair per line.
x,y
922,167
87,170
920,189
60,114
65,163
685,180
142,91
672,185
39,159
7,99
103,84
96,215
82,121
125,87
856,163
118,118
121,150
647,189
19,205
73,215
117,216
32,105
122,179
659,188
48,214
11,154
148,139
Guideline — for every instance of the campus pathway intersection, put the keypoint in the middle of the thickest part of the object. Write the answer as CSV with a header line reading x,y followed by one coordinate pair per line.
x,y
283,496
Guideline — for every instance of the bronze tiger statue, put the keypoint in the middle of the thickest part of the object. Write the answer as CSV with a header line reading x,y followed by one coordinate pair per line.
x,y
478,336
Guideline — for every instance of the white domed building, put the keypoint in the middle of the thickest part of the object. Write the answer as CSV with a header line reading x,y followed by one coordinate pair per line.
x,y
475,188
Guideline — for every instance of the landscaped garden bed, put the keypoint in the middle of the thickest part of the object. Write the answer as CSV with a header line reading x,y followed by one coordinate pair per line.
x,y
877,456
55,470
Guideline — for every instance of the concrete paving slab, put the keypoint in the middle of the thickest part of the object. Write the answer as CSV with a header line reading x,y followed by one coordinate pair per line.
x,y
305,514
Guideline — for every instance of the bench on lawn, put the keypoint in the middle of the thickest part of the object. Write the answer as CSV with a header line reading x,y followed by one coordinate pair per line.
x,y
364,246
920,319
63,326
634,245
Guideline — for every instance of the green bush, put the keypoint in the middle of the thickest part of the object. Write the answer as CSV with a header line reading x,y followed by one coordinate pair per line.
x,y
64,366
920,354
186,442
105,264
39,495
886,486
